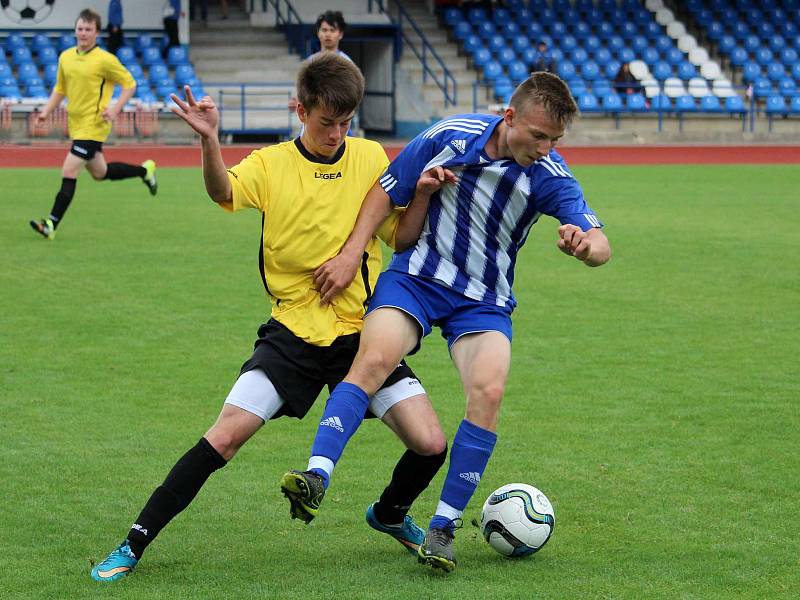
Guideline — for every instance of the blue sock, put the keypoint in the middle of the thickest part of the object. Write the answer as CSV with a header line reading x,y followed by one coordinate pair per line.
x,y
469,456
343,414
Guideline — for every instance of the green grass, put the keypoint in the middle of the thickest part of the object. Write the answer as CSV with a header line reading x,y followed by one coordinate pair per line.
x,y
654,400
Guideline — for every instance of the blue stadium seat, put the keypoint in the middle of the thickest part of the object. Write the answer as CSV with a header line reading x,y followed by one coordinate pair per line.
x,y
626,55
579,56
650,55
496,43
151,56
14,41
126,55
636,103
796,70
36,91
177,55
581,29
576,86
611,68
21,55
10,92
5,70
762,87
535,31
39,41
50,73
787,87
710,104
739,57
661,102
506,56
750,72
481,57
135,69
726,44
777,43
476,15
485,29
26,71
517,71
601,88
661,70
752,43
501,16
462,30
510,29
566,69
602,57
775,105
592,44
684,104
663,43
66,40
557,29
587,102
568,43
615,43
611,102
158,72
639,44
472,43
491,71
763,56
735,105
673,56
794,105
686,70
789,57
590,70
452,15
47,56
520,43
776,71
604,29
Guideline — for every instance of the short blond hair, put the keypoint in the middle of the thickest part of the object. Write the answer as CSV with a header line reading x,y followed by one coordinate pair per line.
x,y
548,91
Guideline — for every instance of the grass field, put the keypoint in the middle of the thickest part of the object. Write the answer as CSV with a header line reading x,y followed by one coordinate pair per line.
x,y
655,401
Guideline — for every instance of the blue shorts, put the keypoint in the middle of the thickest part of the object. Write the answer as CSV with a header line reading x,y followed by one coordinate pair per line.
x,y
430,303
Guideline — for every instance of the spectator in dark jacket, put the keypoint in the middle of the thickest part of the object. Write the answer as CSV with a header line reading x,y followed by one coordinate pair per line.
x,y
544,60
114,27
625,82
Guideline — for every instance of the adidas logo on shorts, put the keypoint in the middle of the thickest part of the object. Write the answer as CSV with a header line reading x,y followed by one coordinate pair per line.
x,y
334,422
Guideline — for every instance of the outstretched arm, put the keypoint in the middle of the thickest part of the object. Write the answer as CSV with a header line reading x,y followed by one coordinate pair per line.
x,y
203,117
590,247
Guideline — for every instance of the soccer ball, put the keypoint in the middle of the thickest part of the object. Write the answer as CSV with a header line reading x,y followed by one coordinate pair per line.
x,y
517,519
27,11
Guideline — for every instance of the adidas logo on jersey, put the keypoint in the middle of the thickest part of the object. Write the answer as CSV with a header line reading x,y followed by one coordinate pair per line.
x,y
319,175
334,422
473,477
460,145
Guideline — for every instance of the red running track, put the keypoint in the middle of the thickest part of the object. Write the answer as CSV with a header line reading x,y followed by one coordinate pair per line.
x,y
189,156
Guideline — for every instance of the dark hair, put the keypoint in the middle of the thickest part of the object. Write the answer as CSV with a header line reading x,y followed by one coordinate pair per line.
x,y
88,15
333,18
548,91
330,81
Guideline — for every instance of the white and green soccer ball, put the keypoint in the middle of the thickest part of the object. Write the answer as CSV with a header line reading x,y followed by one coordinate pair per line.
x,y
517,519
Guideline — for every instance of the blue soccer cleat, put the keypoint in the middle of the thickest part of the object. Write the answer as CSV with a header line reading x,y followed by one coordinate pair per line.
x,y
409,534
118,564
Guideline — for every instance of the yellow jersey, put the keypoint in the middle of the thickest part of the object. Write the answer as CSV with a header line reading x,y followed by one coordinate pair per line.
x,y
308,210
87,80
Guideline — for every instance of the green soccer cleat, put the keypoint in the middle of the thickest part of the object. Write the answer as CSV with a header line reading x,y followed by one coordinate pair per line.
x,y
117,565
437,550
150,177
45,228
305,492
409,534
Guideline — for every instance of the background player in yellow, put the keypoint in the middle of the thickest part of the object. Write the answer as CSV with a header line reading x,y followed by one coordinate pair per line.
x,y
309,192
86,77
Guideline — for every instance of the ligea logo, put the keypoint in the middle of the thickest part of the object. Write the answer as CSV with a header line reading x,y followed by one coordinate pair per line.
x,y
319,175
27,12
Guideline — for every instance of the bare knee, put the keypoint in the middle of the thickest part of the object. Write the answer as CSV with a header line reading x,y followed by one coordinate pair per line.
x,y
371,368
225,441
484,404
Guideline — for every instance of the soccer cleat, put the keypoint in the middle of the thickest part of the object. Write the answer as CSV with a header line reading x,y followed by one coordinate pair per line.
x,y
409,533
305,492
118,564
437,550
150,176
45,228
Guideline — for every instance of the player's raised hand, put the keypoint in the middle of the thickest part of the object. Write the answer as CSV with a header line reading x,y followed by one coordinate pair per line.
x,y
202,116
433,179
335,275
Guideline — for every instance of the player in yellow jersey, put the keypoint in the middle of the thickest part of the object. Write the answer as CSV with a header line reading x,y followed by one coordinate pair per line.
x,y
86,77
309,192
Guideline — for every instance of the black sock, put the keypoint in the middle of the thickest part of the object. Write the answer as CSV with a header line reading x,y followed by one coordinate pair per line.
x,y
171,497
124,171
63,199
411,476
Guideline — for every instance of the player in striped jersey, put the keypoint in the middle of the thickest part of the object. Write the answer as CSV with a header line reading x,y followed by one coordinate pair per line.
x,y
487,179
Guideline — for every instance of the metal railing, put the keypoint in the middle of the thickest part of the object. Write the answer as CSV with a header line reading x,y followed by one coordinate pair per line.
x,y
422,49
249,101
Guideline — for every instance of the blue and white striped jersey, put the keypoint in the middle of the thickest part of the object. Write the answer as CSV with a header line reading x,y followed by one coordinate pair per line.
x,y
474,229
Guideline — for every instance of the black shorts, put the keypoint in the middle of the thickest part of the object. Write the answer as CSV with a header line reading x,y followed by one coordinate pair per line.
x,y
86,149
300,370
